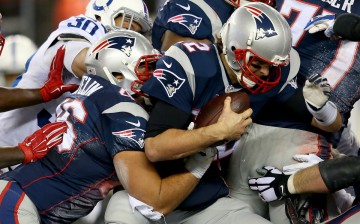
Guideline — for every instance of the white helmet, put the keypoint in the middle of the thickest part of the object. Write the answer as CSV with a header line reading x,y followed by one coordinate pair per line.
x,y
126,52
108,10
256,31
2,38
17,51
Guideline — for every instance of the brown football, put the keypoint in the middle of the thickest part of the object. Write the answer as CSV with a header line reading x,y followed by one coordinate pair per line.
x,y
210,113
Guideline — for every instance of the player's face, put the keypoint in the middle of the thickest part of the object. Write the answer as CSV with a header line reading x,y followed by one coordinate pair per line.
x,y
120,21
145,68
259,68
118,76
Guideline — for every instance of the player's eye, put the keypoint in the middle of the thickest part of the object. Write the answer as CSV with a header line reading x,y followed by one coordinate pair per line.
x,y
256,66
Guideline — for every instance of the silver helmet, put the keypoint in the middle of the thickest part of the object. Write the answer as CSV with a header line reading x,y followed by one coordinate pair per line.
x,y
108,10
122,52
256,31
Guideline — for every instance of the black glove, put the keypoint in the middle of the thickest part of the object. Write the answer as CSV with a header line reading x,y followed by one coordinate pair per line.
x,y
272,186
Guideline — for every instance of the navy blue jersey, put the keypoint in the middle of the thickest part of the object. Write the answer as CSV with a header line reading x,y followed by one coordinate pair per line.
x,y
187,77
338,61
199,19
191,73
102,120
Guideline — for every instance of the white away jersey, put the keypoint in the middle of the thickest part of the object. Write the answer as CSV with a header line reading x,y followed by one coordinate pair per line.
x,y
19,123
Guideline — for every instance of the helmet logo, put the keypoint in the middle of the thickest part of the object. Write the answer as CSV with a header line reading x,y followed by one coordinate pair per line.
x,y
170,81
102,5
190,21
122,43
264,27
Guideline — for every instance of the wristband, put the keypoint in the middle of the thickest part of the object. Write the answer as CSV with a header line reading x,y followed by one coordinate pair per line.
x,y
28,154
290,185
325,115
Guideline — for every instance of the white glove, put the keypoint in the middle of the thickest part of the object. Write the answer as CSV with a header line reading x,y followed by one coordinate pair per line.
x,y
272,186
320,23
316,91
305,161
198,163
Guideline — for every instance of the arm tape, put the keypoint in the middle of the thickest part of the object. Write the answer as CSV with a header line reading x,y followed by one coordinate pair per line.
x,y
340,173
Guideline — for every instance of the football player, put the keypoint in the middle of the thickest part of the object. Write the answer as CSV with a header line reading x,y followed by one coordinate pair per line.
x,y
195,20
332,63
76,34
34,147
11,98
342,26
54,87
282,122
102,145
253,58
323,177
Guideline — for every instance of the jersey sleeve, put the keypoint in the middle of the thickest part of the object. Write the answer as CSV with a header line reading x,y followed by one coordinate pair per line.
x,y
121,122
78,32
184,18
72,50
170,83
127,134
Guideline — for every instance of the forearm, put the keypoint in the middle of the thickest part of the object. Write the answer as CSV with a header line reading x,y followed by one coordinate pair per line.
x,y
10,156
176,143
309,180
164,195
172,191
78,66
328,176
12,98
333,127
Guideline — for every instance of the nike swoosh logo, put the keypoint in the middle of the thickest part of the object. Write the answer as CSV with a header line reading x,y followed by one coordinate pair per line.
x,y
167,65
135,124
187,8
